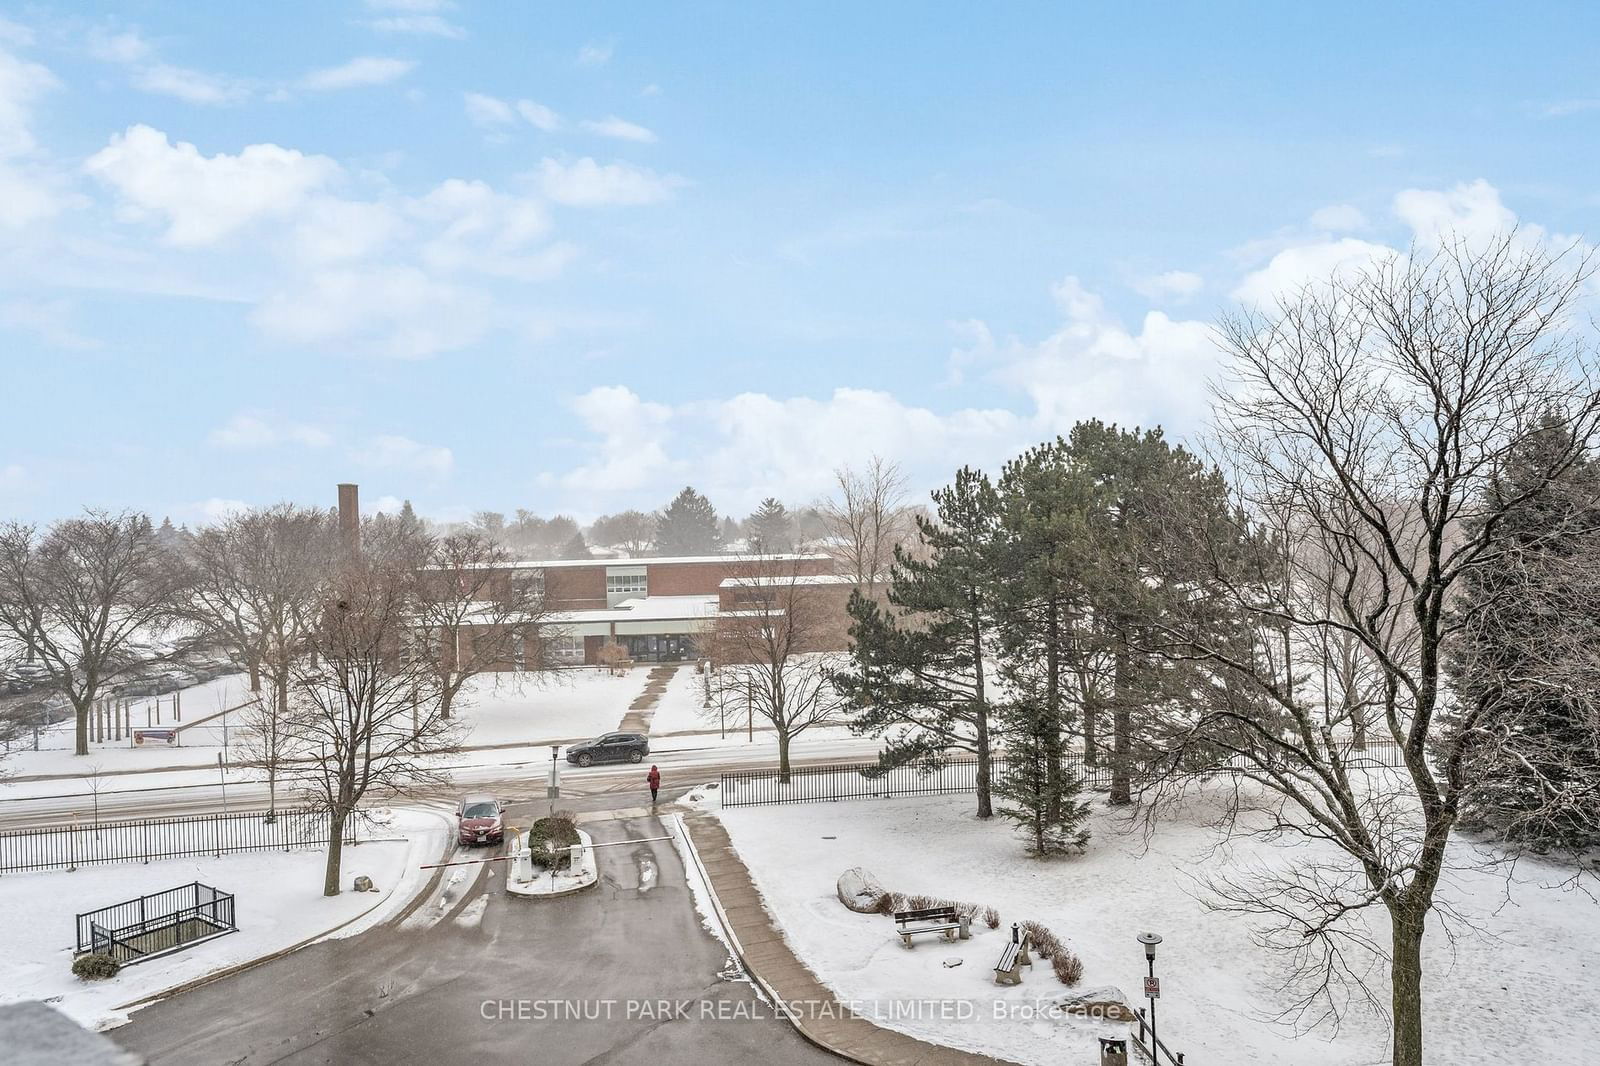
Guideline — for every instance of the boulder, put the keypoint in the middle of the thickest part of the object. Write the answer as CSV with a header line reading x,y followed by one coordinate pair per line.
x,y
1101,1004
860,891
364,884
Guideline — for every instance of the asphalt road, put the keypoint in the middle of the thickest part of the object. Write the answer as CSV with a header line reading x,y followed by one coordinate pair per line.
x,y
621,973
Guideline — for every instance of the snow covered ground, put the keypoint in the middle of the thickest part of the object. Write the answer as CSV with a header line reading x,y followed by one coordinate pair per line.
x,y
1521,989
278,904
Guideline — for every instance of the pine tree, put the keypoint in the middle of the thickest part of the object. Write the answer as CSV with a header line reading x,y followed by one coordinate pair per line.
x,y
1535,755
575,548
688,526
918,677
1043,801
771,528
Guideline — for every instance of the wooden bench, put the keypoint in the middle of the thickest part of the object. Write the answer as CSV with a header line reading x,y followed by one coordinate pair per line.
x,y
943,920
1008,971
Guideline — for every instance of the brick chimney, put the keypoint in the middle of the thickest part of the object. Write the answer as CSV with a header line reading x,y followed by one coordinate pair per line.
x,y
350,518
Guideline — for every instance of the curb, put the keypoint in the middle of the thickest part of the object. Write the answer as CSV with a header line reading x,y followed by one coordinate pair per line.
x,y
588,842
733,939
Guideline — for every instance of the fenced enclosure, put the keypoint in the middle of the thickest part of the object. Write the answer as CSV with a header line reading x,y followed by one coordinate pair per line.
x,y
156,924
868,780
150,839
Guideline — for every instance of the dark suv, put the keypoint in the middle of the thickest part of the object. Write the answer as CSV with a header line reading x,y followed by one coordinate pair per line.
x,y
613,747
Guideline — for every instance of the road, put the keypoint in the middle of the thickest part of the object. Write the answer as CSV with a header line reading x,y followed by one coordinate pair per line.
x,y
151,795
624,973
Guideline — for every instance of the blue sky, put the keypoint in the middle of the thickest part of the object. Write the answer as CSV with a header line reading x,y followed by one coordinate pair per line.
x,y
572,257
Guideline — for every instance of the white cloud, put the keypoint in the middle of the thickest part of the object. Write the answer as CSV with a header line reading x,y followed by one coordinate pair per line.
x,y
329,230
190,86
21,83
419,25
487,110
621,129
249,431
585,183
1336,218
1294,267
394,311
125,46
490,232
50,320
1174,285
1563,108
1471,210
14,477
539,116
632,432
594,55
393,452
360,71
491,112
205,198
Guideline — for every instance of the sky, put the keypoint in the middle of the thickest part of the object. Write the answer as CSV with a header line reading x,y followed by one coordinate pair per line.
x,y
570,258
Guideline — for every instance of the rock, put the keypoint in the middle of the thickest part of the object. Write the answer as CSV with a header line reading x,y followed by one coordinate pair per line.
x,y
860,891
1102,1004
951,964
364,884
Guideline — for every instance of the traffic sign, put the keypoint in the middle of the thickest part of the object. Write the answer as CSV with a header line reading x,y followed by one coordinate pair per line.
x,y
1152,988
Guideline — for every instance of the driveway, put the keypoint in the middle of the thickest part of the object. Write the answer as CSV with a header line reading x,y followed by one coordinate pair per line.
x,y
621,973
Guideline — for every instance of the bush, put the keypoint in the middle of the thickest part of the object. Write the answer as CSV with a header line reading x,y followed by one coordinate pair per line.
x,y
558,829
95,966
1068,967
991,917
1045,944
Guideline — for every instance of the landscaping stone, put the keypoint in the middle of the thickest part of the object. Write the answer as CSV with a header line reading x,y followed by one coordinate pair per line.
x,y
860,891
1106,1002
364,884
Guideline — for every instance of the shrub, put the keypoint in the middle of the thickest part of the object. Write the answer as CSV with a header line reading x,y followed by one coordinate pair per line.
x,y
1045,944
991,917
95,966
558,829
1068,967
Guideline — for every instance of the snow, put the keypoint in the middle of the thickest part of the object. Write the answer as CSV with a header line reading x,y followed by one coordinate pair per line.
x,y
1520,989
507,708
278,904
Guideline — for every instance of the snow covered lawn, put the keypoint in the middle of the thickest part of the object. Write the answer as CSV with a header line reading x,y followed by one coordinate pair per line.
x,y
278,903
504,708
1523,989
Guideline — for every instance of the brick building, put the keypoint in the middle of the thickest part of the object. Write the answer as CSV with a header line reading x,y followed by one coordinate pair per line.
x,y
659,610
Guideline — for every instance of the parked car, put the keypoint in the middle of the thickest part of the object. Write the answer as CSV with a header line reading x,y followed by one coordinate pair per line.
x,y
480,819
613,747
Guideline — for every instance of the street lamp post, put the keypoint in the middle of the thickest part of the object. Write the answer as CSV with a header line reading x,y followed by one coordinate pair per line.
x,y
1152,987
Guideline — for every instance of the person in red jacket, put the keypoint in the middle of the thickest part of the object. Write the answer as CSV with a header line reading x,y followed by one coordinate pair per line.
x,y
654,777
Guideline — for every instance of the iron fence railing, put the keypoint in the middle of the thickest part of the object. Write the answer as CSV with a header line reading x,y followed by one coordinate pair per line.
x,y
842,781
152,925
149,839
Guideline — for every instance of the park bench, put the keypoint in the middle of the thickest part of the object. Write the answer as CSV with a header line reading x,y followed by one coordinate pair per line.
x,y
1008,971
943,920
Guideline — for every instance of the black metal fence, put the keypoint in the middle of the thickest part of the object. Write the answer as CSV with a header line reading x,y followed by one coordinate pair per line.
x,y
149,839
158,923
843,781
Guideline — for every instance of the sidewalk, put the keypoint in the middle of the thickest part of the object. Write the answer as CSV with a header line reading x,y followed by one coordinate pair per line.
x,y
767,957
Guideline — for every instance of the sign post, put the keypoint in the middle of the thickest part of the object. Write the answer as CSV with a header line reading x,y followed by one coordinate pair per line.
x,y
1152,988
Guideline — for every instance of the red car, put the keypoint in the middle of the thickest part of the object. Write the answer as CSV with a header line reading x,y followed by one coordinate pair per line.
x,y
479,820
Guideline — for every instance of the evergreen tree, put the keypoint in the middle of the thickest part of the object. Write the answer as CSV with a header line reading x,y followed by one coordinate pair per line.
x,y
1043,801
1535,753
575,548
770,528
918,677
688,526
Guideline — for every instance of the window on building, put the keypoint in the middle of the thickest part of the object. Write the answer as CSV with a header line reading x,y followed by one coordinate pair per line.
x,y
630,583
532,583
567,648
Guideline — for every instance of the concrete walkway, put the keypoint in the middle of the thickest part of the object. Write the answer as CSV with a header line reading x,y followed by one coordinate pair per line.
x,y
643,709
766,955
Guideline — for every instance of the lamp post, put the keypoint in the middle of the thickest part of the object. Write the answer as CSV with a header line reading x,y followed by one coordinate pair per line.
x,y
1152,987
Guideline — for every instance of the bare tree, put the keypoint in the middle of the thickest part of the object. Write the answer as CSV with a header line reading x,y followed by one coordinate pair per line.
x,y
632,531
258,583
866,519
92,599
368,702
271,737
778,643
479,614
1367,415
